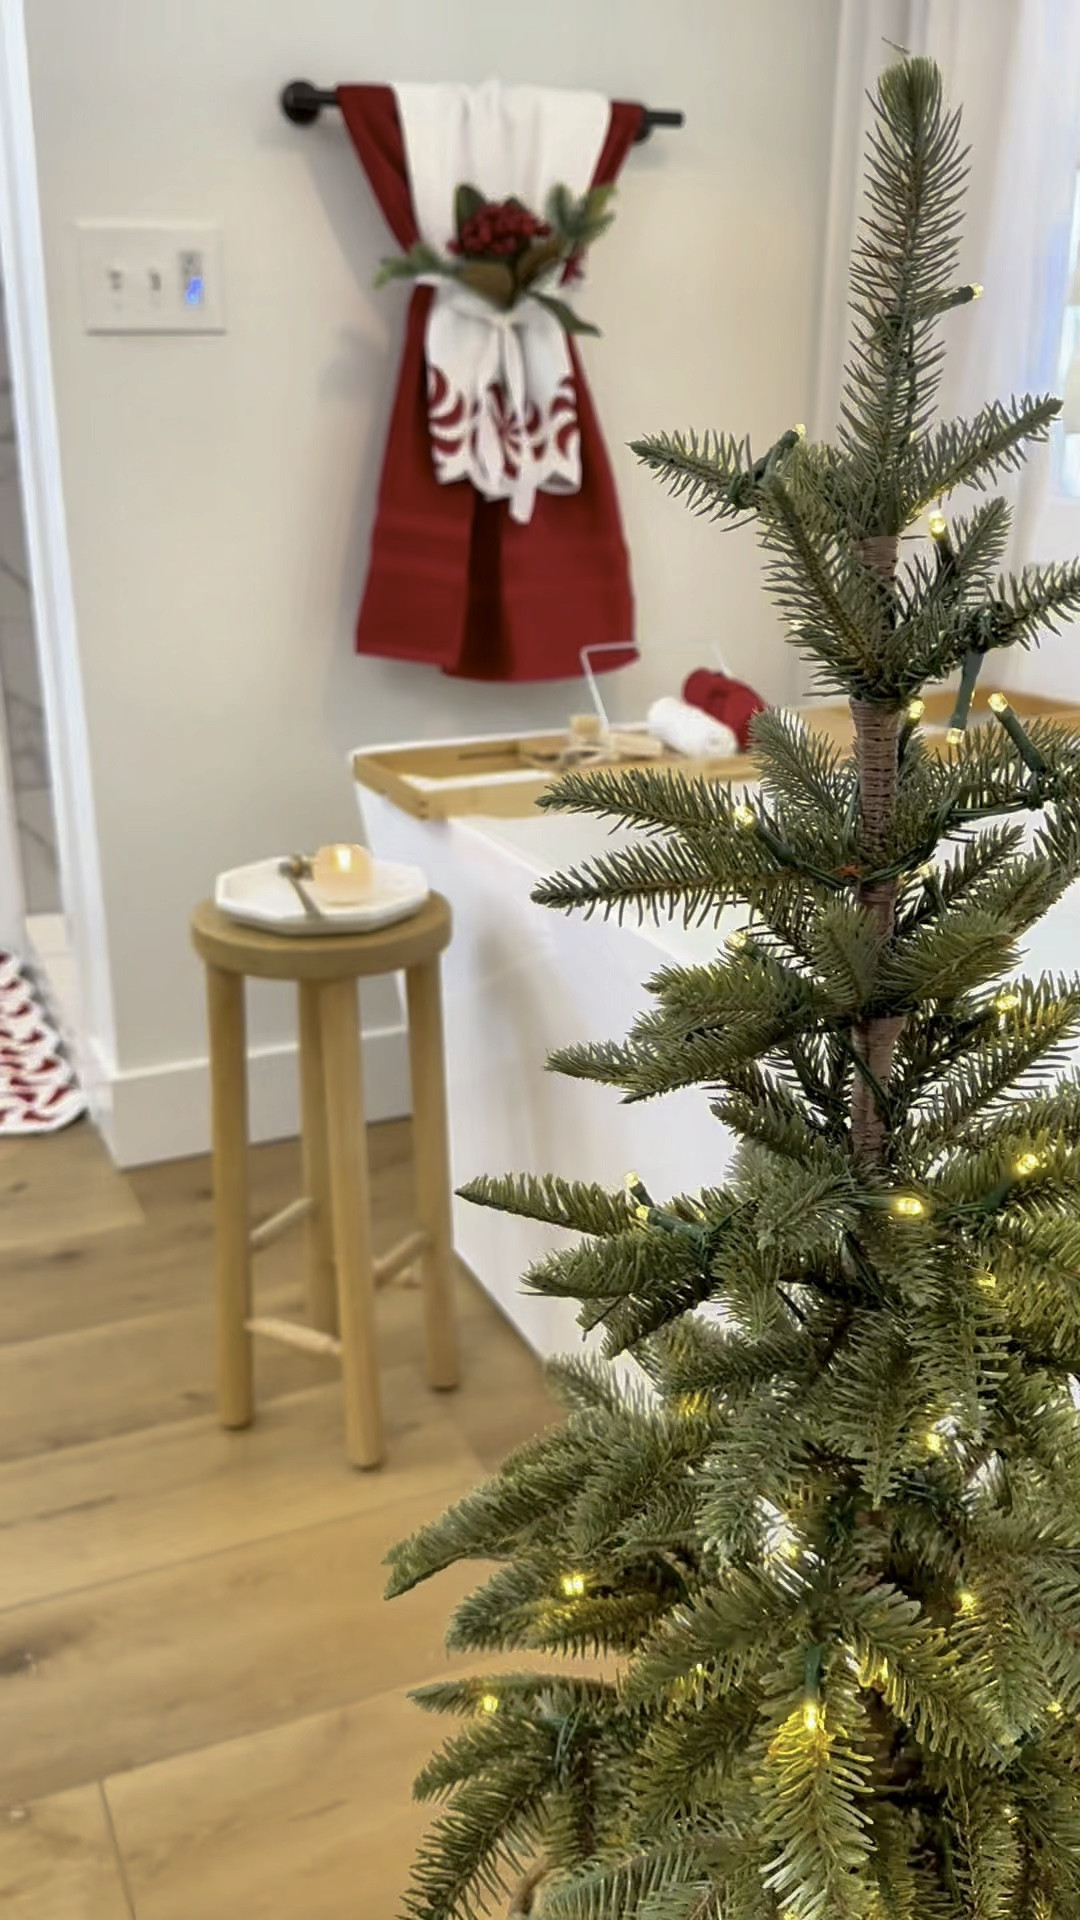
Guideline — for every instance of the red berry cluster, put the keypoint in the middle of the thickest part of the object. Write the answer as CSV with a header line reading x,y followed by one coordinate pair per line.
x,y
498,230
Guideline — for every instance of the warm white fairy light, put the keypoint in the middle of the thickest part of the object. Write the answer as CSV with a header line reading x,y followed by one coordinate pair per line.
x,y
1025,1164
744,816
933,1441
954,736
937,525
811,1715
573,1585
907,1206
1007,1000
868,1671
781,1540
488,1703
915,710
986,1280
997,703
967,1600
736,941
690,1404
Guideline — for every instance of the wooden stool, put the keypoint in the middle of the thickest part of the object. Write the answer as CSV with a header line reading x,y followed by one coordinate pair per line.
x,y
342,1275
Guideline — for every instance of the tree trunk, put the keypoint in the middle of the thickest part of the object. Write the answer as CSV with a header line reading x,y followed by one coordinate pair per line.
x,y
877,761
523,1904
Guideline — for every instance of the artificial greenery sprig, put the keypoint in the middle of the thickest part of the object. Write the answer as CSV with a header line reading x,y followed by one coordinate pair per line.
x,y
506,254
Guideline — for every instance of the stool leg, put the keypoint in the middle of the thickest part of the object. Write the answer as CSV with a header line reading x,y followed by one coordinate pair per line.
x,y
232,1225
351,1211
426,1069
321,1278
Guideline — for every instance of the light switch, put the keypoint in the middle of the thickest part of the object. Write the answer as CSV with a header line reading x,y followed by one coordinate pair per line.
x,y
166,278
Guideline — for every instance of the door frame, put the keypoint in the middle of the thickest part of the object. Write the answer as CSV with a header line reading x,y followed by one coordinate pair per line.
x,y
49,565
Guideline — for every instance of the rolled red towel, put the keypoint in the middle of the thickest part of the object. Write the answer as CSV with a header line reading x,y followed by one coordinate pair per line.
x,y
731,701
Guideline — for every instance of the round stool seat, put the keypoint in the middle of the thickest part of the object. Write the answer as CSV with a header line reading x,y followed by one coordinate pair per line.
x,y
235,948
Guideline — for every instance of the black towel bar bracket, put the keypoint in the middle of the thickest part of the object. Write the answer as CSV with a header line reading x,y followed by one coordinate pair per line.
x,y
302,103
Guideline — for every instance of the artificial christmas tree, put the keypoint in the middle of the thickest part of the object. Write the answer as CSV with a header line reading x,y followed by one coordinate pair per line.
x,y
831,1548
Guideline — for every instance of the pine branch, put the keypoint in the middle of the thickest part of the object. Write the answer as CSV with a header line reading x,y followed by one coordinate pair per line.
x,y
961,453
901,277
710,472
581,1205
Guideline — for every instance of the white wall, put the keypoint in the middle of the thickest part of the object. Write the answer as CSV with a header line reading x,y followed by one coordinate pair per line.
x,y
220,490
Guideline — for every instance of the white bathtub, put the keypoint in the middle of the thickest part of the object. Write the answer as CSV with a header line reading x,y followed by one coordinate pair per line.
x,y
521,980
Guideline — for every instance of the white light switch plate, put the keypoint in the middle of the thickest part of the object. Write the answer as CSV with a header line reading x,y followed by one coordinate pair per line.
x,y
136,278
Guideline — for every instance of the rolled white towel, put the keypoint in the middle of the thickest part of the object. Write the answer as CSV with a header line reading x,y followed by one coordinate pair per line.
x,y
690,731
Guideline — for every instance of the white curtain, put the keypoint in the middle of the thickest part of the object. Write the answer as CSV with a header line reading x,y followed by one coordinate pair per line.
x,y
1014,68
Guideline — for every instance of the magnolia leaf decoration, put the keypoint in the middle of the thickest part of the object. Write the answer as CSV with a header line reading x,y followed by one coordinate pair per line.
x,y
506,253
537,259
565,315
491,279
467,202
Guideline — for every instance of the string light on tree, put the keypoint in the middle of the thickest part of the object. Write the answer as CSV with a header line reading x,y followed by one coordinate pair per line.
x,y
907,1206
1026,1164
489,1703
782,1542
967,1600
572,1585
1025,746
744,816
691,1405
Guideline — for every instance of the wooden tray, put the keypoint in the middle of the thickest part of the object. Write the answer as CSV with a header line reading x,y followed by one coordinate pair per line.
x,y
438,779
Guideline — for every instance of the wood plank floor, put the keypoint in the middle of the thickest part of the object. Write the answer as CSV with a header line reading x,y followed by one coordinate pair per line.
x,y
202,1708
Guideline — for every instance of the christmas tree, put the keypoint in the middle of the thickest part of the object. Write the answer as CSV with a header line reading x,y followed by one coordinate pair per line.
x,y
828,1551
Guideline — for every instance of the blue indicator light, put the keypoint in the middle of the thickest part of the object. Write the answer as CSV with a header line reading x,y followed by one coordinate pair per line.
x,y
194,290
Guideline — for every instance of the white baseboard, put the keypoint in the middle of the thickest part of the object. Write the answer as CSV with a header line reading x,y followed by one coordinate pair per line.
x,y
163,1112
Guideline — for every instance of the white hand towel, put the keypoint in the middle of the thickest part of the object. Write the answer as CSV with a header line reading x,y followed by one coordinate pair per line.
x,y
501,401
689,730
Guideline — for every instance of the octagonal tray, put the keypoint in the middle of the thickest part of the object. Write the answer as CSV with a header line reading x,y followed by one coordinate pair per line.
x,y
260,896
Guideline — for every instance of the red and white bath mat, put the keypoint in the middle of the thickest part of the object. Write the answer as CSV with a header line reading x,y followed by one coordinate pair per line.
x,y
38,1089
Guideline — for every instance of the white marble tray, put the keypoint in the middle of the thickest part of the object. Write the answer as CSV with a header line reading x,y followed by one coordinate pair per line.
x,y
260,896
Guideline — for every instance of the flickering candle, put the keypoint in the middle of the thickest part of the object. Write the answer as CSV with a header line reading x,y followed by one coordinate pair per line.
x,y
342,875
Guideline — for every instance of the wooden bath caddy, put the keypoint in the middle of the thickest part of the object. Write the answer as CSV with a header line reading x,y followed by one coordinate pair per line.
x,y
490,773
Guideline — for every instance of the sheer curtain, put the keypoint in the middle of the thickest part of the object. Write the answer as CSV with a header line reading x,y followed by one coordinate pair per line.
x,y
1014,67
